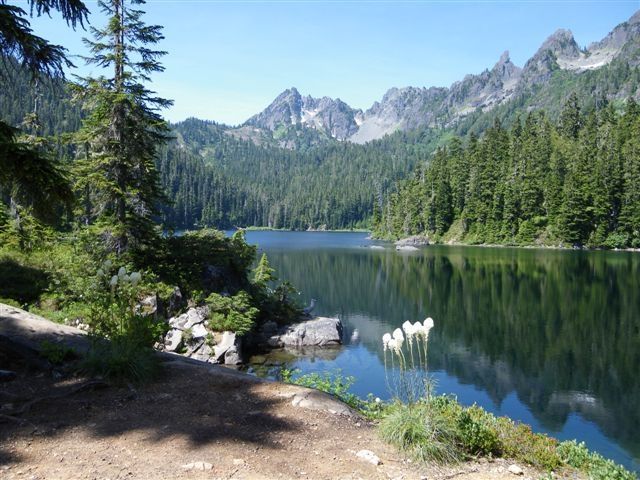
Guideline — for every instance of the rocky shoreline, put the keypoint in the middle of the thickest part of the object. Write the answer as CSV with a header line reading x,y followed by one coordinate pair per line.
x,y
189,336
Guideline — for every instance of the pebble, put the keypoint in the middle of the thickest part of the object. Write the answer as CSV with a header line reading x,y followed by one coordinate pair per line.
x,y
368,456
198,466
516,470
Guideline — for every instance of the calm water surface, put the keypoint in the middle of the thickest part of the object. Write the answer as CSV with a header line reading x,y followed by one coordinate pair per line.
x,y
550,338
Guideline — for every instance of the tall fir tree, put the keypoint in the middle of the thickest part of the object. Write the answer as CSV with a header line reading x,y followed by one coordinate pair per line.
x,y
123,128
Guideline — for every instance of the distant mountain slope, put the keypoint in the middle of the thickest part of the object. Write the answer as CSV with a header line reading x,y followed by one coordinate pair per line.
x,y
410,108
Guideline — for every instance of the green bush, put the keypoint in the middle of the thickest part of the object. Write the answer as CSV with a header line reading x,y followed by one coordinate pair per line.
x,y
520,442
477,432
55,353
186,261
596,466
235,313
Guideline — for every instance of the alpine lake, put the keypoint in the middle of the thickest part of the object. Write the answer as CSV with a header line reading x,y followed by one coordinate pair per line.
x,y
547,337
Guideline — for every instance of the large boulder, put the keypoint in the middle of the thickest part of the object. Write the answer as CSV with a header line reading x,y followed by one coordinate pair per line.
x,y
318,332
194,321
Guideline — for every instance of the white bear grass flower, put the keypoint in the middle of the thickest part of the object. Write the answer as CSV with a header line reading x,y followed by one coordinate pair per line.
x,y
410,381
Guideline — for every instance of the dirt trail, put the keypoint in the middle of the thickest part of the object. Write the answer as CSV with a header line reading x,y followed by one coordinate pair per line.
x,y
197,421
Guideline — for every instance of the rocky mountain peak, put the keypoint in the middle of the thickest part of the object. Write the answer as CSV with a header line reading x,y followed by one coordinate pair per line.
x,y
562,44
505,69
331,116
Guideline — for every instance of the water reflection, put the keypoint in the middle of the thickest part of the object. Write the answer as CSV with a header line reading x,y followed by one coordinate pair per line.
x,y
549,337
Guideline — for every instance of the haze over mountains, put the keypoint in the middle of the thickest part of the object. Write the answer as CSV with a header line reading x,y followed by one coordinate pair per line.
x,y
410,108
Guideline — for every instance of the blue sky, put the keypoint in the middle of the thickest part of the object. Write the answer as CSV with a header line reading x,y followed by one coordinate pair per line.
x,y
228,59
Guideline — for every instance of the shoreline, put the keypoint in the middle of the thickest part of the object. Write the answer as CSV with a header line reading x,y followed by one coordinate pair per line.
x,y
498,245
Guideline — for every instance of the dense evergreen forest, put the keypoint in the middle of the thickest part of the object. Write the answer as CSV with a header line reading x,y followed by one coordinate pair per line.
x,y
575,182
216,179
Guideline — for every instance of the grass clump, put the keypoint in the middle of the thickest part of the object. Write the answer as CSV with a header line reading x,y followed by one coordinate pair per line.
x,y
420,430
121,360
333,383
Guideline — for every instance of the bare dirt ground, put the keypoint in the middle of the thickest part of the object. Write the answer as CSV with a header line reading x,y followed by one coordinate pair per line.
x,y
244,430
196,421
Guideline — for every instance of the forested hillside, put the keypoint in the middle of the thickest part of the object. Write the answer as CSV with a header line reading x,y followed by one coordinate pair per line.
x,y
333,185
305,176
571,182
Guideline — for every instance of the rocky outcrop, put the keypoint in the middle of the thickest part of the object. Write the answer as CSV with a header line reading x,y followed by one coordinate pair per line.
x,y
413,241
189,336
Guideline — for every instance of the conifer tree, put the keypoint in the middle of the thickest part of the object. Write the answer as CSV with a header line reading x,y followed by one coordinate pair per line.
x,y
263,273
123,128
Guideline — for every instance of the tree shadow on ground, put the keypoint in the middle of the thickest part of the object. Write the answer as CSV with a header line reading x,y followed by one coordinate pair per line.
x,y
200,403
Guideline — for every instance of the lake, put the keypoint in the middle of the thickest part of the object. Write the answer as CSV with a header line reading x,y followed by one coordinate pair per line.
x,y
546,337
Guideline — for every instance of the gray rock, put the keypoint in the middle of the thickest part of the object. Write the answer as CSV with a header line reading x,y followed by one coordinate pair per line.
x,y
516,470
320,331
192,317
173,340
199,331
369,457
228,350
204,353
232,356
413,241
316,400
201,466
406,248
174,303
149,305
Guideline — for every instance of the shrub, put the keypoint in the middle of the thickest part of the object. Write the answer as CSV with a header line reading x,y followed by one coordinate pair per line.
x,y
123,339
596,466
55,353
231,313
520,442
477,432
187,336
